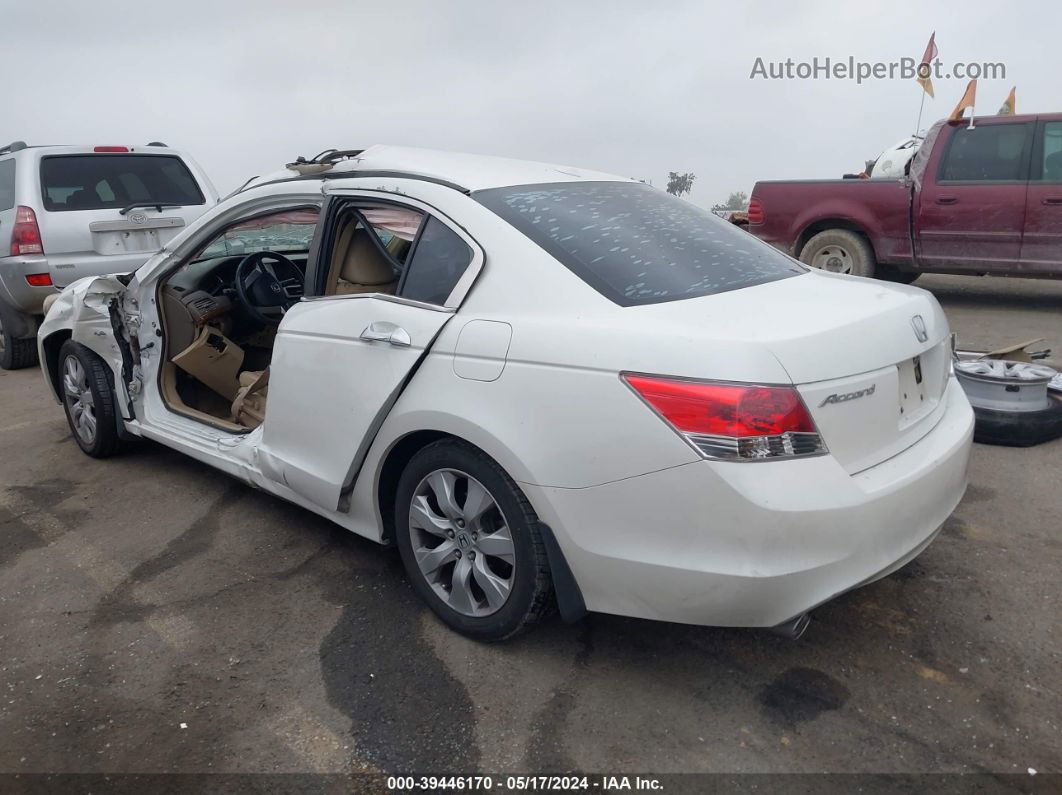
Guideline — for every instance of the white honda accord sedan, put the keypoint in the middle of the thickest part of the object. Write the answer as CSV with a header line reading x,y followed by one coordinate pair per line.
x,y
547,387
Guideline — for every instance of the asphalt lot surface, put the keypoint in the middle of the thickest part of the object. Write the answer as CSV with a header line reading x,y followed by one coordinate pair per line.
x,y
158,616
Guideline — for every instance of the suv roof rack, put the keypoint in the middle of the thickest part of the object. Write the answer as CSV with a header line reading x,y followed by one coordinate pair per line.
x,y
14,146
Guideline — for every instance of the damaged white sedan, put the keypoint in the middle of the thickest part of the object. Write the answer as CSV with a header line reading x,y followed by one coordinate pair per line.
x,y
548,387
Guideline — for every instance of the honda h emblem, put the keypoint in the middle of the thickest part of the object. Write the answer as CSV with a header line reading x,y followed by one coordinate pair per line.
x,y
920,328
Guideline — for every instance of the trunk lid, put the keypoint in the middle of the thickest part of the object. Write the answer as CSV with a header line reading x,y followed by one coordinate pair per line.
x,y
869,358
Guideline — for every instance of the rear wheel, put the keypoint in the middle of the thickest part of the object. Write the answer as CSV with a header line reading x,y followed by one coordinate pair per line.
x,y
839,251
470,542
88,399
15,353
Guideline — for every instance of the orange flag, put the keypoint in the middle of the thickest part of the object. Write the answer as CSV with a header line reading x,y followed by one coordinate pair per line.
x,y
1008,108
968,100
925,68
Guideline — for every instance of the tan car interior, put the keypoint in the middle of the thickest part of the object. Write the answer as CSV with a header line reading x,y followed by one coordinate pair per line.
x,y
217,369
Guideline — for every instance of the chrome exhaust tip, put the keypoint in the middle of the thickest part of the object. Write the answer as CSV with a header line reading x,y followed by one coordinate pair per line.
x,y
793,628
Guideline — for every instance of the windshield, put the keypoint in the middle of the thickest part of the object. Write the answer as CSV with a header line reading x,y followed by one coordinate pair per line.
x,y
636,244
103,181
287,231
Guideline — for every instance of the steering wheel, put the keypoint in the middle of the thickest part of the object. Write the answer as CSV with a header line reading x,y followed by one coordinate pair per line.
x,y
268,285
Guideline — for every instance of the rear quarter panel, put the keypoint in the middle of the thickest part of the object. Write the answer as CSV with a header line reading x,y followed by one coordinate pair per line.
x,y
878,208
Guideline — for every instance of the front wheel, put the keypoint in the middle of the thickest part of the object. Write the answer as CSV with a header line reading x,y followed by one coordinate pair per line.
x,y
839,251
470,542
88,400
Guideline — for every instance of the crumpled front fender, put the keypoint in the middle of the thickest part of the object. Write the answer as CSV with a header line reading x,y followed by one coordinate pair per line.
x,y
82,310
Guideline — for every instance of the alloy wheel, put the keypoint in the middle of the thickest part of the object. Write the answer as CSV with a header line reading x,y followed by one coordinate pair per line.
x,y
79,401
462,542
834,259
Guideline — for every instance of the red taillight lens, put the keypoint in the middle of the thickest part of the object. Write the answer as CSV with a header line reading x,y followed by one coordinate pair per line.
x,y
25,234
111,149
39,280
756,214
733,421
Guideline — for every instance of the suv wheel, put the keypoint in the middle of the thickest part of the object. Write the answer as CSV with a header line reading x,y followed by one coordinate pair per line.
x,y
88,399
15,353
470,543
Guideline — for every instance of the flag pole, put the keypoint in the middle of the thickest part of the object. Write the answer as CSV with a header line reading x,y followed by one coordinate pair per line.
x,y
973,112
921,105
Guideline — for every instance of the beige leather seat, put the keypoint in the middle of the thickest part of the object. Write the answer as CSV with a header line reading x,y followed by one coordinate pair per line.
x,y
248,409
364,268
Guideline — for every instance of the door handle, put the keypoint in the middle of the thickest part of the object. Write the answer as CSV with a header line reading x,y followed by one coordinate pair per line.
x,y
1051,200
383,331
947,199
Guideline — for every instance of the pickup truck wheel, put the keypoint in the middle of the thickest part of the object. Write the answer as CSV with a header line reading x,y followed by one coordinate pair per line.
x,y
15,352
839,251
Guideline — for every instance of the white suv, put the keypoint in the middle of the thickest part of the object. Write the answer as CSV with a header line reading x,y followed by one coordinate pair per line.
x,y
72,211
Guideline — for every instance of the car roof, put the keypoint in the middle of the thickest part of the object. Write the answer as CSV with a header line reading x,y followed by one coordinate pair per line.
x,y
463,171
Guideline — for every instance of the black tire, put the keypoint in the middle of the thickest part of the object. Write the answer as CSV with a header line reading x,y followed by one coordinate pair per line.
x,y
1018,428
531,595
104,441
850,250
15,353
889,273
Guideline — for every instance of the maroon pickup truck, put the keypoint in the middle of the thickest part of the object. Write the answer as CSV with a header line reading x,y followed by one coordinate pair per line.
x,y
981,200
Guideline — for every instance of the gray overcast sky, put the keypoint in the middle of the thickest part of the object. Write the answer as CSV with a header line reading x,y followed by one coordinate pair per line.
x,y
633,88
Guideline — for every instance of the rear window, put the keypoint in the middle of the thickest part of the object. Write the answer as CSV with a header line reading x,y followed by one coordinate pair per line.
x,y
7,184
636,244
99,182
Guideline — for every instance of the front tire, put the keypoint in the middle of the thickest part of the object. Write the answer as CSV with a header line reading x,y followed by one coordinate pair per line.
x,y
88,400
470,543
840,251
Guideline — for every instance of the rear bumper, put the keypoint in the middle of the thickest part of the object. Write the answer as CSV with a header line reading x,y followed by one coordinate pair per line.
x,y
15,291
754,544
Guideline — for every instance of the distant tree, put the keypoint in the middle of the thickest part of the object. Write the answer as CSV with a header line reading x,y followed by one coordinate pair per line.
x,y
738,200
680,184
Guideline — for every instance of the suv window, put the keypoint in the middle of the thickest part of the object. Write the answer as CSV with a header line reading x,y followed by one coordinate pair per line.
x,y
988,153
439,259
7,184
636,244
1051,167
98,181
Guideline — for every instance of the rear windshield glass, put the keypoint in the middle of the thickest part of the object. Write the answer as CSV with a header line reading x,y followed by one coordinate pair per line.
x,y
99,182
636,244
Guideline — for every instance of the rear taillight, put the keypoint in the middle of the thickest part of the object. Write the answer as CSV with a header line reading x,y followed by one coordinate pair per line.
x,y
39,279
25,234
110,149
756,215
731,421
